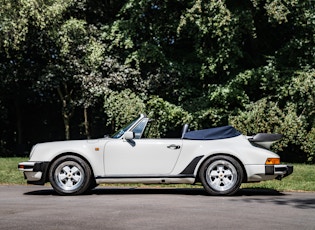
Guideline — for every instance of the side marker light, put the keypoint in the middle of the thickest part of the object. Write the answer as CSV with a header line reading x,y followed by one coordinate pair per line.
x,y
272,161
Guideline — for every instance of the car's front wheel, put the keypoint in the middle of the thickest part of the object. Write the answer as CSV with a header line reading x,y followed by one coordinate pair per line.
x,y
70,175
221,175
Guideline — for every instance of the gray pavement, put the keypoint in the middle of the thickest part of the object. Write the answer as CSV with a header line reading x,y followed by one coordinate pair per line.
x,y
38,207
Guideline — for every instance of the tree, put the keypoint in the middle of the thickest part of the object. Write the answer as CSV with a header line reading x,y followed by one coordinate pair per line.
x,y
121,107
22,39
207,61
265,116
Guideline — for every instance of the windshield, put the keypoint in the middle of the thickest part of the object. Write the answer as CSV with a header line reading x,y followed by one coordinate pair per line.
x,y
121,131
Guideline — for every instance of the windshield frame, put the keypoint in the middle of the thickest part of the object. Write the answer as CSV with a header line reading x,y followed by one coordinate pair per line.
x,y
121,131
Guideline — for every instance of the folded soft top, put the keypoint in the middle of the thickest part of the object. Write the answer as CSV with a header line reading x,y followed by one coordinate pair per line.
x,y
213,133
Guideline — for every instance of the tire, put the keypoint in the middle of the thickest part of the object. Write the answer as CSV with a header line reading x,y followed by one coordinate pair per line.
x,y
93,184
70,175
221,175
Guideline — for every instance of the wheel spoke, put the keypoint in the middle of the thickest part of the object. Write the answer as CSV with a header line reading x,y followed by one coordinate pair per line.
x,y
216,182
62,176
74,170
228,173
69,183
214,173
226,181
220,168
76,178
66,169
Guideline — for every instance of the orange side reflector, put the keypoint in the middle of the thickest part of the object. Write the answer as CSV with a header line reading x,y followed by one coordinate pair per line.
x,y
273,161
97,149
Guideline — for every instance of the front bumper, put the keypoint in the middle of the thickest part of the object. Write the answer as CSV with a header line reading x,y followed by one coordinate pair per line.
x,y
34,172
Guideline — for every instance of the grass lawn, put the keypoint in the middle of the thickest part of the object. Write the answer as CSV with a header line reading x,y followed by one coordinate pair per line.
x,y
302,179
9,173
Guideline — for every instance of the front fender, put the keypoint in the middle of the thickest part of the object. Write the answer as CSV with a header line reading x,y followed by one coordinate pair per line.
x,y
91,151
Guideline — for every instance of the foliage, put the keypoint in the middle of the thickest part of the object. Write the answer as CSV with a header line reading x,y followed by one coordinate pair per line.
x,y
265,116
309,145
169,117
214,32
201,62
121,107
301,91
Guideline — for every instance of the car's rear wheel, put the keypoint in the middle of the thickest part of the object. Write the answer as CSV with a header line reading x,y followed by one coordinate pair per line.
x,y
221,175
70,175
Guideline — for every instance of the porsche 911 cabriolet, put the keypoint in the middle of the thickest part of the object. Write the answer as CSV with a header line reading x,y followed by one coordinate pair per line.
x,y
220,158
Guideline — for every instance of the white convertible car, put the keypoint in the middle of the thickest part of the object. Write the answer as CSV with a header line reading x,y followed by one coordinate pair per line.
x,y
220,158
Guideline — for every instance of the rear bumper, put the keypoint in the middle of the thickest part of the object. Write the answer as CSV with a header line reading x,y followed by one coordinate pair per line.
x,y
256,173
280,170
34,172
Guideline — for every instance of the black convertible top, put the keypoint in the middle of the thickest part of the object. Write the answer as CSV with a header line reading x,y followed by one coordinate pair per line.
x,y
213,133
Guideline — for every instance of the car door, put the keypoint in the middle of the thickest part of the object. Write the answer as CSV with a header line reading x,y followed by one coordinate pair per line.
x,y
141,157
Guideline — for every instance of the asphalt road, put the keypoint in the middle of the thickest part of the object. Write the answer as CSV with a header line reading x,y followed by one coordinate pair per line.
x,y
37,207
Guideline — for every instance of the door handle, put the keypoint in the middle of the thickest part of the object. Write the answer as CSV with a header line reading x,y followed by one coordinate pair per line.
x,y
173,146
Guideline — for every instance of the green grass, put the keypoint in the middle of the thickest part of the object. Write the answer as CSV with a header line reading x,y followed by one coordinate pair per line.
x,y
302,179
9,173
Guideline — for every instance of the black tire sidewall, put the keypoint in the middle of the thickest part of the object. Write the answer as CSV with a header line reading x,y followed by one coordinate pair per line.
x,y
86,179
208,188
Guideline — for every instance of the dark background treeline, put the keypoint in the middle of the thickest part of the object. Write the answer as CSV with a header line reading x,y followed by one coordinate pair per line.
x,y
74,69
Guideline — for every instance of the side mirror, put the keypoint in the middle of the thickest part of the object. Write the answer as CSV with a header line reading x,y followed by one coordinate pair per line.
x,y
129,135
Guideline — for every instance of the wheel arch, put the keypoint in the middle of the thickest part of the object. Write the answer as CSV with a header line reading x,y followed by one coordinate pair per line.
x,y
221,154
68,154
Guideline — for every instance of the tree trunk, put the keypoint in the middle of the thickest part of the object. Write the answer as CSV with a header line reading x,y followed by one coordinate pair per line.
x,y
18,121
20,146
86,123
67,109
66,121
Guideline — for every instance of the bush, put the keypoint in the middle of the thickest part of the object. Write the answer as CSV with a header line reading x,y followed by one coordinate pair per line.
x,y
212,117
309,146
122,107
169,117
265,116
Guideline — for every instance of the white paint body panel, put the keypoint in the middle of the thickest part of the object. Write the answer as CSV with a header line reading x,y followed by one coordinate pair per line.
x,y
117,157
151,160
141,156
